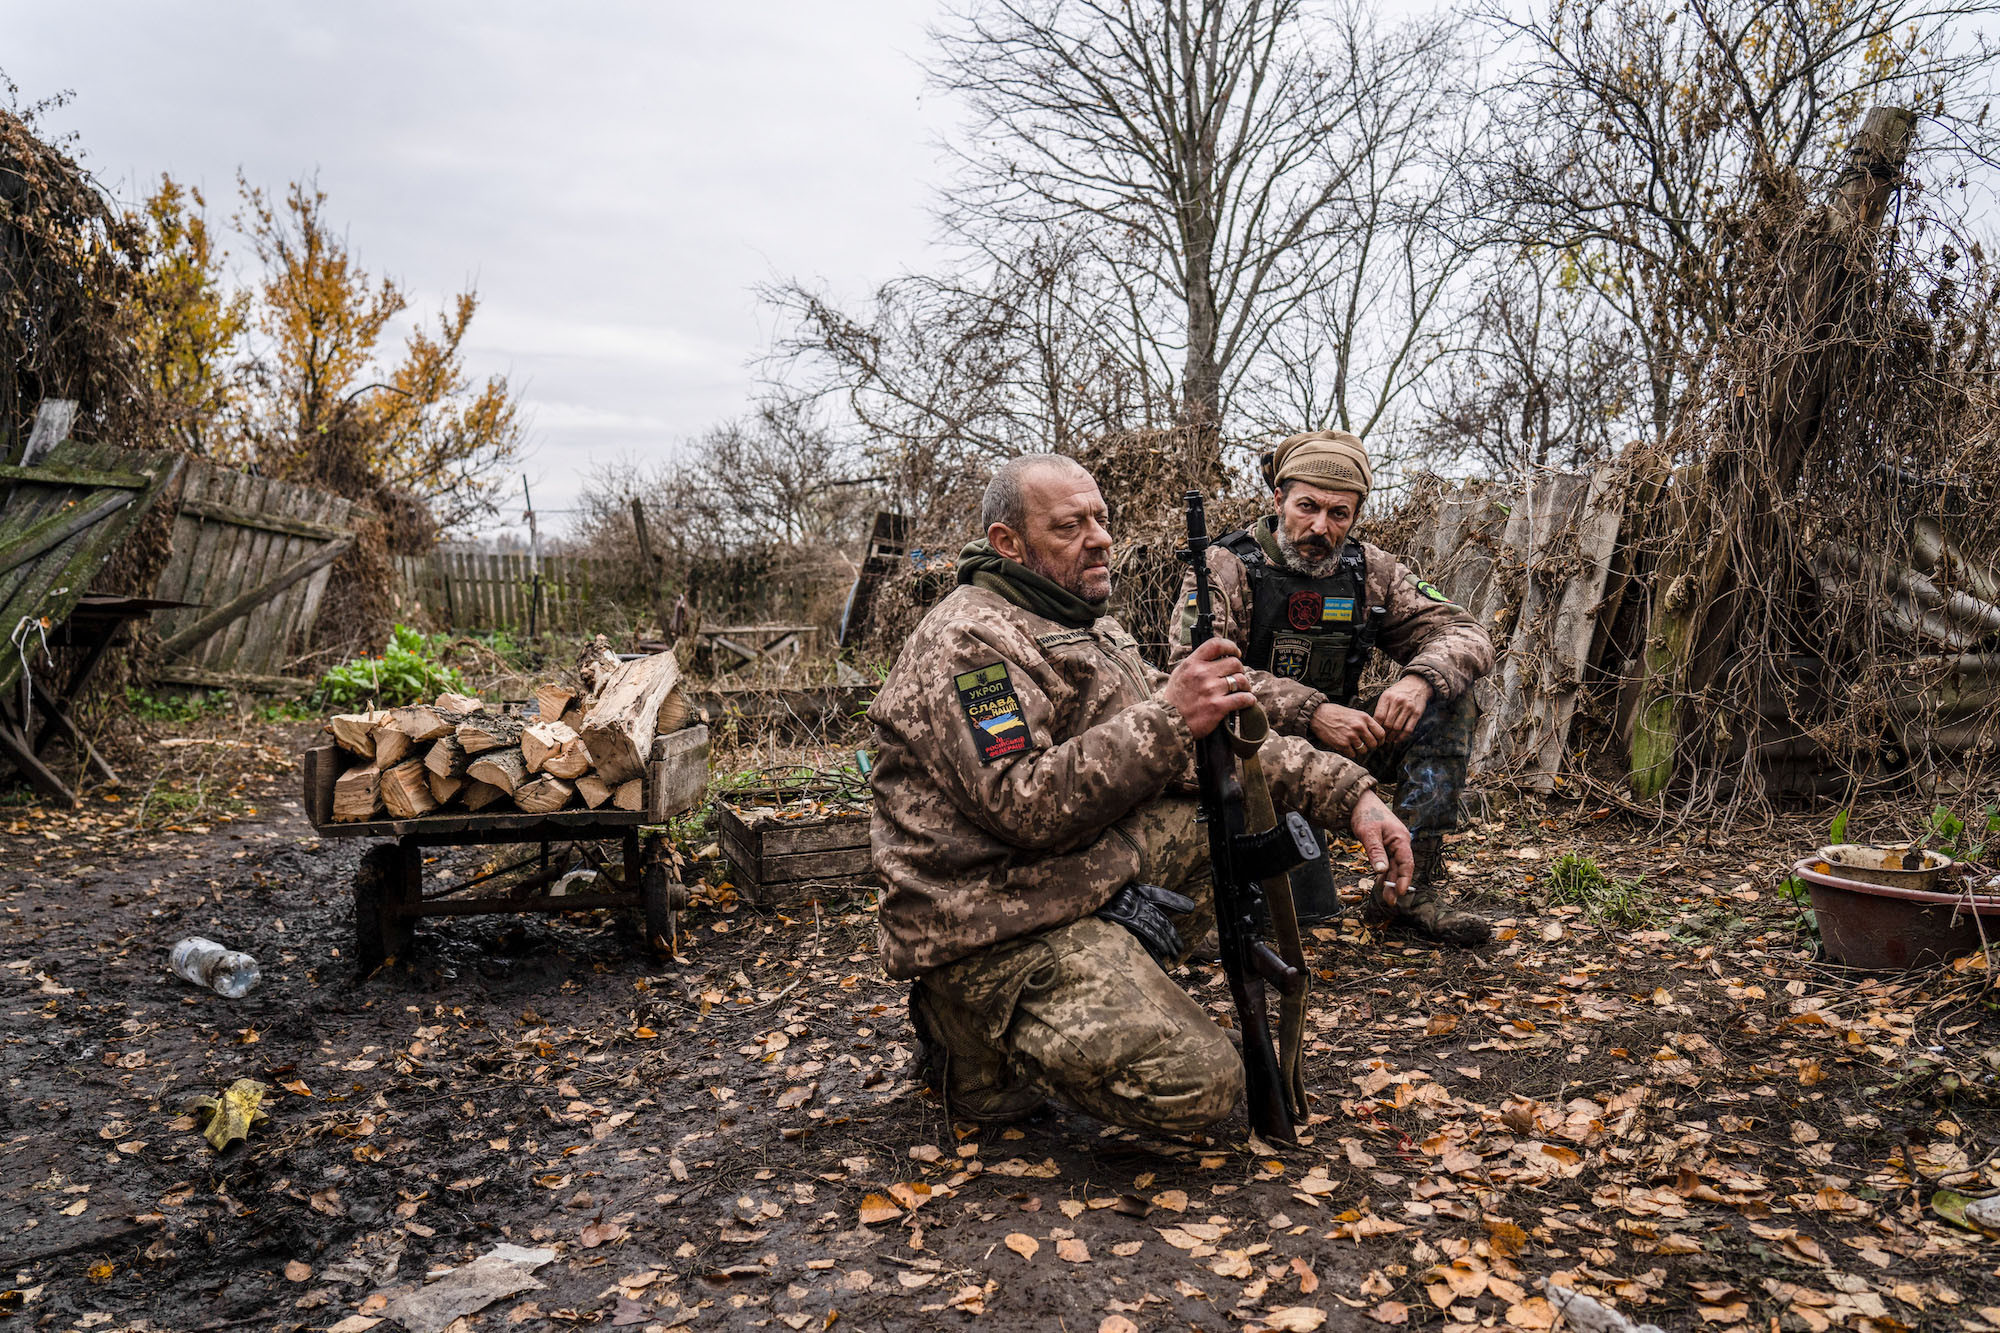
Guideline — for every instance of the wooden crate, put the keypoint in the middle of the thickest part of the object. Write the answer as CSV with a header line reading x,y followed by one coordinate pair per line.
x,y
784,855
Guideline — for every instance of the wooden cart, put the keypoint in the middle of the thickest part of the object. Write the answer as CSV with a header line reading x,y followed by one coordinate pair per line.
x,y
389,891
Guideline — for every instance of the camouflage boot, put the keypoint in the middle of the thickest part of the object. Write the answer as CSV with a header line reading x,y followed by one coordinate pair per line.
x,y
956,1061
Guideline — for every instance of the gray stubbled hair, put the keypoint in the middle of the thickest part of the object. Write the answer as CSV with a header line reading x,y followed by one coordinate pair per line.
x,y
1002,502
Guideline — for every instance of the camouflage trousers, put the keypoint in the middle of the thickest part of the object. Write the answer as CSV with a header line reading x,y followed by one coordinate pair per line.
x,y
1082,1012
1428,769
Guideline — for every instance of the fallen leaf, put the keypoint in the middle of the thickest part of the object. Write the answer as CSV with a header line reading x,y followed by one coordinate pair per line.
x,y
1072,1251
298,1272
1299,1319
878,1208
1390,1312
1174,1201
1116,1323
1533,1313
1023,1244
597,1233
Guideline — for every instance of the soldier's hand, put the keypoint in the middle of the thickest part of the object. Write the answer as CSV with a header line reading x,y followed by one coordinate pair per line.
x,y
1208,686
1400,707
1387,843
1347,731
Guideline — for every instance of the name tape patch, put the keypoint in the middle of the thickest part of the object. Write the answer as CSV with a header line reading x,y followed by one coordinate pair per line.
x,y
998,726
1337,611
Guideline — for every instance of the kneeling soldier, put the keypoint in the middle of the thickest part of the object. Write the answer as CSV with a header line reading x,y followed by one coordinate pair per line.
x,y
1310,604
1035,832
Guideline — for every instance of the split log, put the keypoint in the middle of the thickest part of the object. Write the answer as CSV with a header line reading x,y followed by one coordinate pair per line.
x,y
391,744
458,703
504,769
479,795
355,732
630,795
571,763
552,700
594,790
539,740
676,710
357,793
543,795
447,758
619,730
597,665
579,708
446,787
423,723
406,790
488,733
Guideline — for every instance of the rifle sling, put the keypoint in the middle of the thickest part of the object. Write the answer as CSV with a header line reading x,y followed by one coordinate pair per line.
x,y
1261,818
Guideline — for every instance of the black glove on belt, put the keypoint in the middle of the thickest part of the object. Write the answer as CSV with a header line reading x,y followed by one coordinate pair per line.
x,y
1146,911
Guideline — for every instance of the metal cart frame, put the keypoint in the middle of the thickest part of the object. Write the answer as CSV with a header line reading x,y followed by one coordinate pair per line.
x,y
389,892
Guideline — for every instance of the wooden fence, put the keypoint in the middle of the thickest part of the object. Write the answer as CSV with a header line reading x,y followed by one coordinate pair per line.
x,y
253,555
481,592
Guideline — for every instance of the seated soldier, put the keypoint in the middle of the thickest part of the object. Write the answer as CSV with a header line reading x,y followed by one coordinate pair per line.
x,y
1035,829
1310,604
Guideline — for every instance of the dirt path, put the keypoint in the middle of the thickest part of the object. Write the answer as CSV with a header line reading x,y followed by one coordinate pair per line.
x,y
1688,1119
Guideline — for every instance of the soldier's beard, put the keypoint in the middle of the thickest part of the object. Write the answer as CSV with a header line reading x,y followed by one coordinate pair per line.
x,y
1089,577
1309,563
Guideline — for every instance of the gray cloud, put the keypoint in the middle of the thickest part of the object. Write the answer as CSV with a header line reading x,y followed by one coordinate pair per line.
x,y
614,177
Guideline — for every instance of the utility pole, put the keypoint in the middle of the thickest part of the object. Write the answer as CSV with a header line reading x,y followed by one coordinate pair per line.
x,y
534,559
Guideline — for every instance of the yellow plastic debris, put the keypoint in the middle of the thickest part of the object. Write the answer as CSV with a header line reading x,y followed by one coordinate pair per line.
x,y
231,1116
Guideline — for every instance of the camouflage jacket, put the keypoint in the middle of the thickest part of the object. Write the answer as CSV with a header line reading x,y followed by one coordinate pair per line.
x,y
1427,635
1013,753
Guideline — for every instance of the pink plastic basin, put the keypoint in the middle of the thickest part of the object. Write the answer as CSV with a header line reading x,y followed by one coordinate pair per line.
x,y
1888,929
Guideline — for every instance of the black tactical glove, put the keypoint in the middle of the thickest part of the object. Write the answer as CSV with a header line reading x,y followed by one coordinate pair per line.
x,y
1144,909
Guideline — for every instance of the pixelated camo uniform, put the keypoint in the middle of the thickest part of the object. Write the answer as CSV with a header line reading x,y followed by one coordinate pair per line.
x,y
1026,771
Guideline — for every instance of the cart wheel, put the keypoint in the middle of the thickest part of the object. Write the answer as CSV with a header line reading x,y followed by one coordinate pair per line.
x,y
380,884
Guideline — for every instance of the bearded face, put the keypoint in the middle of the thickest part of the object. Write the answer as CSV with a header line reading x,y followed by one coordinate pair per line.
x,y
1313,525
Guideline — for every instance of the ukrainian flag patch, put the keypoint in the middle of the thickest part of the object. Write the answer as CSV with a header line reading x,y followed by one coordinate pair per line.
x,y
1337,611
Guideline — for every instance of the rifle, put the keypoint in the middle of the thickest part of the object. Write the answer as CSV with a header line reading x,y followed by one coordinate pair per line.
x,y
1250,853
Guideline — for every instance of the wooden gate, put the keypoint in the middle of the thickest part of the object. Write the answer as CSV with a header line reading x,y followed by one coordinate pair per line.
x,y
62,514
254,555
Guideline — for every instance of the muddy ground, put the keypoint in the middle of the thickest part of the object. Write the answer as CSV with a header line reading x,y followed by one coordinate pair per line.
x,y
1687,1116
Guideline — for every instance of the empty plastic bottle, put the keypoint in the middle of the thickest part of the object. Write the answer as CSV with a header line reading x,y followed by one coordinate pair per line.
x,y
206,963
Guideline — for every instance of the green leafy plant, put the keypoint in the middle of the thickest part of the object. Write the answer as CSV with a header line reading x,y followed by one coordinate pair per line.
x,y
407,672
1962,839
173,708
1580,882
1836,832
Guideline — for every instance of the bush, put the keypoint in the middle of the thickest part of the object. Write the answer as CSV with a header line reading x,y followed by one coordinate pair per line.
x,y
1578,881
171,707
407,672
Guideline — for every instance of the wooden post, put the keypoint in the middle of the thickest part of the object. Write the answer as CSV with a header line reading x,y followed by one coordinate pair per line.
x,y
649,563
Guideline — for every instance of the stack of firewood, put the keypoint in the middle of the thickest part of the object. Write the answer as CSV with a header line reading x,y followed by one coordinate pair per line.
x,y
583,741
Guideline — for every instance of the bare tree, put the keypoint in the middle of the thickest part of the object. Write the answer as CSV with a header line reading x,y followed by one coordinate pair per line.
x,y
1544,375
1369,333
949,374
1200,149
1649,128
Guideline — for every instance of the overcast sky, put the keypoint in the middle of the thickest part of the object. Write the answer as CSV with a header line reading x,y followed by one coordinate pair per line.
x,y
615,177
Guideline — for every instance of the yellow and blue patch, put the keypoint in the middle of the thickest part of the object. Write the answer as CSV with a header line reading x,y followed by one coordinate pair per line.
x,y
1337,611
998,728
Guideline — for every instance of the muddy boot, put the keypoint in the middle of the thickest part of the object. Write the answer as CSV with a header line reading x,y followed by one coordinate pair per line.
x,y
1423,911
957,1062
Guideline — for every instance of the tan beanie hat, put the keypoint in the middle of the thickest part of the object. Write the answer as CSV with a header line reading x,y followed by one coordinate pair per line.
x,y
1331,459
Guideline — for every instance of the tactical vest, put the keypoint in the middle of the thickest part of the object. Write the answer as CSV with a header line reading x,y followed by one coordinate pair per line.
x,y
1318,631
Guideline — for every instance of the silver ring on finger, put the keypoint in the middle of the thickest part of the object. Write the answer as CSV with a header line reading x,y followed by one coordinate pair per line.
x,y
1236,684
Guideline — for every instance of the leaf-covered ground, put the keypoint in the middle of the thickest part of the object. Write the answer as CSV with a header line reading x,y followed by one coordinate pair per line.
x,y
1685,1116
